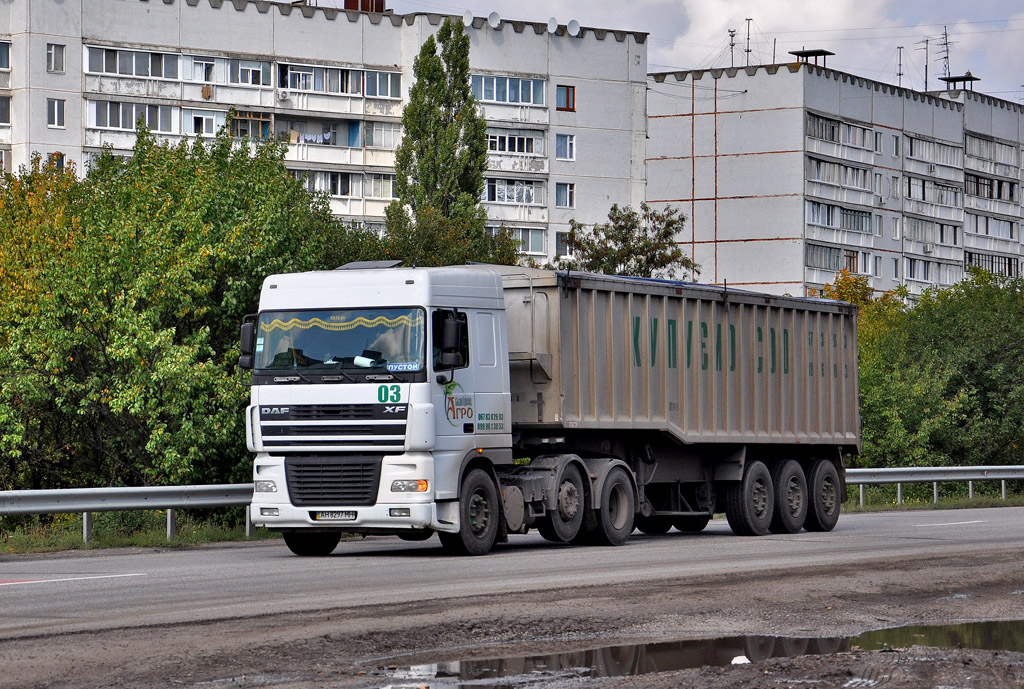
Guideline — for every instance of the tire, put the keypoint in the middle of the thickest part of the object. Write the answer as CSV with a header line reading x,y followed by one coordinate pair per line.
x,y
791,497
616,511
654,525
563,524
749,503
311,544
691,524
416,536
823,486
479,516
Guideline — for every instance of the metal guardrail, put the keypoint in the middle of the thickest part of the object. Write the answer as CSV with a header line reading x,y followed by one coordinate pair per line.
x,y
171,498
933,475
89,500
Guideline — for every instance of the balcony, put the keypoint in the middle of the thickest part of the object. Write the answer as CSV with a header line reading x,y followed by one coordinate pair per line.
x,y
325,154
841,151
133,87
510,162
5,134
834,235
511,213
335,104
992,206
238,97
120,140
519,114
933,210
379,157
831,192
991,168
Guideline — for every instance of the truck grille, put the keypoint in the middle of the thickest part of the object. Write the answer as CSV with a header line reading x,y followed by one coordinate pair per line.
x,y
350,427
332,480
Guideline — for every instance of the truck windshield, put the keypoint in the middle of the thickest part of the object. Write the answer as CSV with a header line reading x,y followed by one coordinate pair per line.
x,y
349,340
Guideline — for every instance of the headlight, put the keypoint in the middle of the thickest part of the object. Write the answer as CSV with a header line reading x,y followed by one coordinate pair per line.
x,y
265,487
416,486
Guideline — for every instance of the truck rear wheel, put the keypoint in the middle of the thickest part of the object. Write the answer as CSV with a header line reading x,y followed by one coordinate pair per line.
x,y
311,544
479,516
562,524
654,525
790,497
823,485
749,504
615,514
691,524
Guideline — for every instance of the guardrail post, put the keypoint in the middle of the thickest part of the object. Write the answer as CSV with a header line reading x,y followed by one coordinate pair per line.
x,y
899,494
970,490
172,527
1004,488
86,527
935,492
248,521
861,495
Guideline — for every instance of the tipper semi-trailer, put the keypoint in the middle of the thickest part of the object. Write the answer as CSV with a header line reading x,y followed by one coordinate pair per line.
x,y
480,401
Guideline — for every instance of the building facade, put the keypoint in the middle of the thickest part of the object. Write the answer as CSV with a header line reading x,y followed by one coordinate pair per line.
x,y
566,110
791,173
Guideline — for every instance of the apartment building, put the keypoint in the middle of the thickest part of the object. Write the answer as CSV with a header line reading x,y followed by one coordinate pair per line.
x,y
565,105
791,173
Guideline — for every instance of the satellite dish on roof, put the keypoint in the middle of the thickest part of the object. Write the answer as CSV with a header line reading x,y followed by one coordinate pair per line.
x,y
467,18
552,25
494,19
574,27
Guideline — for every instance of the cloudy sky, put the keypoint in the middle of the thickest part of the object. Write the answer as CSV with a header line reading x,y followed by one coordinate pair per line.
x,y
984,36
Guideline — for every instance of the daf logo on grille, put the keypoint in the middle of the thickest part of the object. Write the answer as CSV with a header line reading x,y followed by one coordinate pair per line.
x,y
273,410
394,410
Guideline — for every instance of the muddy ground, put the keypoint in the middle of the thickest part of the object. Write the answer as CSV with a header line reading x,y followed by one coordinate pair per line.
x,y
359,648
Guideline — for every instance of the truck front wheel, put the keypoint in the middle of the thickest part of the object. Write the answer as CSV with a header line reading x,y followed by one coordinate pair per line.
x,y
562,524
479,516
314,544
750,503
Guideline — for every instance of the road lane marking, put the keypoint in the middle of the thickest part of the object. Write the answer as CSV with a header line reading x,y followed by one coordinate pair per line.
x,y
976,521
16,582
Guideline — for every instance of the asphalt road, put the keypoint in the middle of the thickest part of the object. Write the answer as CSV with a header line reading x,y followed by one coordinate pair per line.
x,y
95,590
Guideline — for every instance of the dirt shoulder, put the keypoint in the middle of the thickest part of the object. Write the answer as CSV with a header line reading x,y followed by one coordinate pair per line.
x,y
354,648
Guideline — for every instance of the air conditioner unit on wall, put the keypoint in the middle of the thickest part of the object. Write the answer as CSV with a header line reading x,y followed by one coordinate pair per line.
x,y
931,168
283,94
879,201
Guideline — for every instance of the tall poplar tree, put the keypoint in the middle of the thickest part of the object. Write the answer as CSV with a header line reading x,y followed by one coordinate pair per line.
x,y
440,164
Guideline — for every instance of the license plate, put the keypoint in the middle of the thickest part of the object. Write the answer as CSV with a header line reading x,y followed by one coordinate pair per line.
x,y
336,516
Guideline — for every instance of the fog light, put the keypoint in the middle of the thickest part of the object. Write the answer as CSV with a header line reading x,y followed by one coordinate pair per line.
x,y
265,487
399,512
269,512
417,486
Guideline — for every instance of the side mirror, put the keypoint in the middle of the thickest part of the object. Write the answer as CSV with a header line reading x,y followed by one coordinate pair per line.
x,y
247,345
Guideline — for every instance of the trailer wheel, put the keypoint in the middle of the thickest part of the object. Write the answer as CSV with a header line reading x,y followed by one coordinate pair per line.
x,y
615,515
691,524
823,485
314,544
479,516
790,497
749,504
563,523
654,526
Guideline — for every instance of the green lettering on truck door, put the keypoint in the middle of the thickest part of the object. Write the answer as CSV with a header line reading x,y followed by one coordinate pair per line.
x,y
670,337
654,340
636,341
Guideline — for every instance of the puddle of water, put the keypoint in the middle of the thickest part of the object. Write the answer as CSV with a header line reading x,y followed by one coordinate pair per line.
x,y
639,659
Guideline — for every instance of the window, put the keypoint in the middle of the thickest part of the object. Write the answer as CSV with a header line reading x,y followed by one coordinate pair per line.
x,y
992,227
54,57
521,141
55,113
821,214
855,221
249,72
255,125
383,134
5,55
565,98
850,261
132,63
203,69
5,109
565,146
823,257
565,195
852,135
3,160
342,183
380,186
320,79
878,142
894,190
878,226
896,145
822,128
896,228
877,272
56,159
508,90
524,191
203,124
1002,265
115,115
383,85
895,269
878,183
562,245
949,234
458,319
987,188
920,269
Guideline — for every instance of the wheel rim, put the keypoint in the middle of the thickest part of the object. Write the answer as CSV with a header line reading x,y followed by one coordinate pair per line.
x,y
828,495
759,498
568,500
794,496
479,513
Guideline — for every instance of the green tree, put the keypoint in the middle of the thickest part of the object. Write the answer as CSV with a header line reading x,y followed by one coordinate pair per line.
x,y
440,164
124,292
640,244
